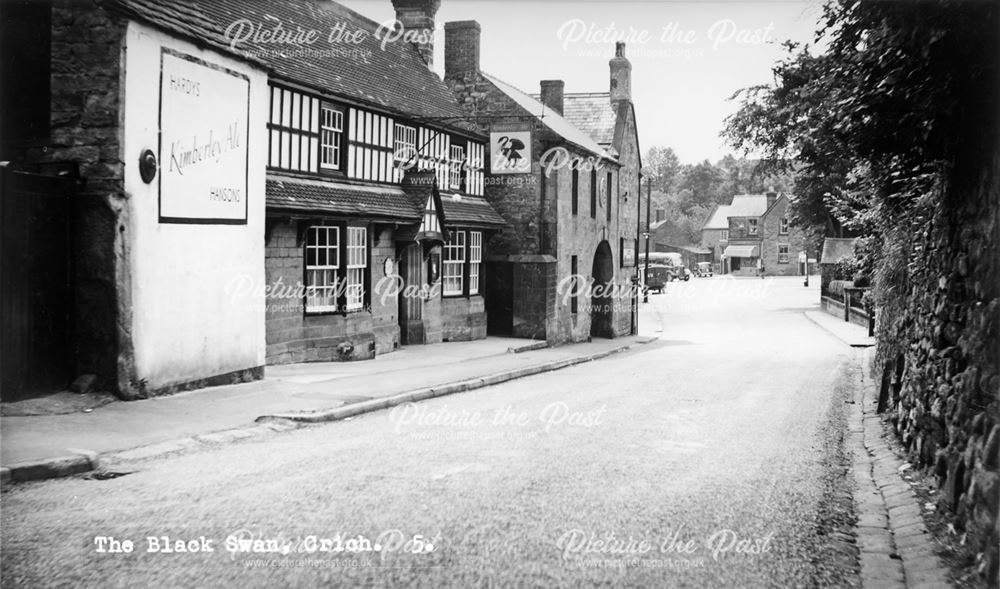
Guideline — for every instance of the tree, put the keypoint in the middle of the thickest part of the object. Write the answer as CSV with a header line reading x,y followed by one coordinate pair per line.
x,y
665,166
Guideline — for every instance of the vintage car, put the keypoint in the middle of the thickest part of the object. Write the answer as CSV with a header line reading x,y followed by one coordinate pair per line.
x,y
657,276
668,263
704,269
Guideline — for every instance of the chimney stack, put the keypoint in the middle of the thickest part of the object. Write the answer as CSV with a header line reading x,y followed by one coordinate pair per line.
x,y
771,196
621,75
461,48
552,94
418,16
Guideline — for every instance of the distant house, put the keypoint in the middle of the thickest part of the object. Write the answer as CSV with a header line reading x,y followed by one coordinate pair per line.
x,y
715,234
753,231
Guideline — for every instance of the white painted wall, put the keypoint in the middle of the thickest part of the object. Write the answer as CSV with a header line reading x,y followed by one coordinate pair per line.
x,y
185,325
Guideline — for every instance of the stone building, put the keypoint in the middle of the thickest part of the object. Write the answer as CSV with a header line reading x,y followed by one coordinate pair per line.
x,y
754,230
564,172
243,203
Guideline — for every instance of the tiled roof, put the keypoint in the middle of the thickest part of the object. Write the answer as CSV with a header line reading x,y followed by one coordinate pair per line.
x,y
591,113
183,17
719,219
300,194
747,205
469,210
394,78
836,249
551,119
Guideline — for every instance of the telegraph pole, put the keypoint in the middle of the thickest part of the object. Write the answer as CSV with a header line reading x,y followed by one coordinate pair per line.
x,y
649,198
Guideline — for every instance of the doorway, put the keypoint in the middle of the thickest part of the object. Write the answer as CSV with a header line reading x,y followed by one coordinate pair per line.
x,y
601,301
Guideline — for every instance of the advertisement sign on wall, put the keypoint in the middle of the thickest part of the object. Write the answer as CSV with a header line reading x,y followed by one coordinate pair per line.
x,y
204,131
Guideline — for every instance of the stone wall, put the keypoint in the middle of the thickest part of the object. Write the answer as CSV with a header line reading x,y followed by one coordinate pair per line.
x,y
85,128
463,318
538,208
293,336
938,350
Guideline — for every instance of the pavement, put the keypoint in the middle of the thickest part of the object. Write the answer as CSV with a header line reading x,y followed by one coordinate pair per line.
x,y
897,551
850,333
45,446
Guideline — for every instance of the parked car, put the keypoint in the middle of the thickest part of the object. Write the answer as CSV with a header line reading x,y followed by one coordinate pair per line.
x,y
657,277
673,262
704,269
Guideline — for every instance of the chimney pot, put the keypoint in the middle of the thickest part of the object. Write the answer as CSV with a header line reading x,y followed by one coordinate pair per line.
x,y
552,94
461,48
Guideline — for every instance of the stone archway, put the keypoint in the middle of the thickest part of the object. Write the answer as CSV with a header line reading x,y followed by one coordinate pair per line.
x,y
601,301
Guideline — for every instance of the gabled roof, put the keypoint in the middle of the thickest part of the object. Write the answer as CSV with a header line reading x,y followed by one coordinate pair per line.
x,y
551,119
836,249
748,205
593,114
719,218
393,78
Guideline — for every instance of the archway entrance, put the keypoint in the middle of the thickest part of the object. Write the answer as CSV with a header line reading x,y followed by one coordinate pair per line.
x,y
601,301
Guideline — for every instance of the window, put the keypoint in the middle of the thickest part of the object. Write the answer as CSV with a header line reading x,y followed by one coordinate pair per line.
x,y
576,191
328,276
607,193
783,229
455,169
575,285
454,264
357,262
724,236
782,253
475,260
322,263
405,147
752,226
593,193
331,129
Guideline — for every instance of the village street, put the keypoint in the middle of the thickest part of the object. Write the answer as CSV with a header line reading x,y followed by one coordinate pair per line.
x,y
709,458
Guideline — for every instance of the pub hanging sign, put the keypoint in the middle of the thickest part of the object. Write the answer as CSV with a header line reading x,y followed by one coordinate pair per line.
x,y
204,131
510,152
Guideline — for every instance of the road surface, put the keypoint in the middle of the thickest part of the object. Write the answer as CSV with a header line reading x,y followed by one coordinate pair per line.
x,y
709,458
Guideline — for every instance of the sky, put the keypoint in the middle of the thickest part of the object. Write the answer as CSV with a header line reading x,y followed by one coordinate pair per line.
x,y
688,57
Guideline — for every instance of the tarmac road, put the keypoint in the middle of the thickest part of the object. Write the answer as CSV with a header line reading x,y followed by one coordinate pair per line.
x,y
710,458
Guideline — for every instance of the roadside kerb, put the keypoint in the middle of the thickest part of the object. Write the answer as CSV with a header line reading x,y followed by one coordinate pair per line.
x,y
422,394
897,551
62,466
81,461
